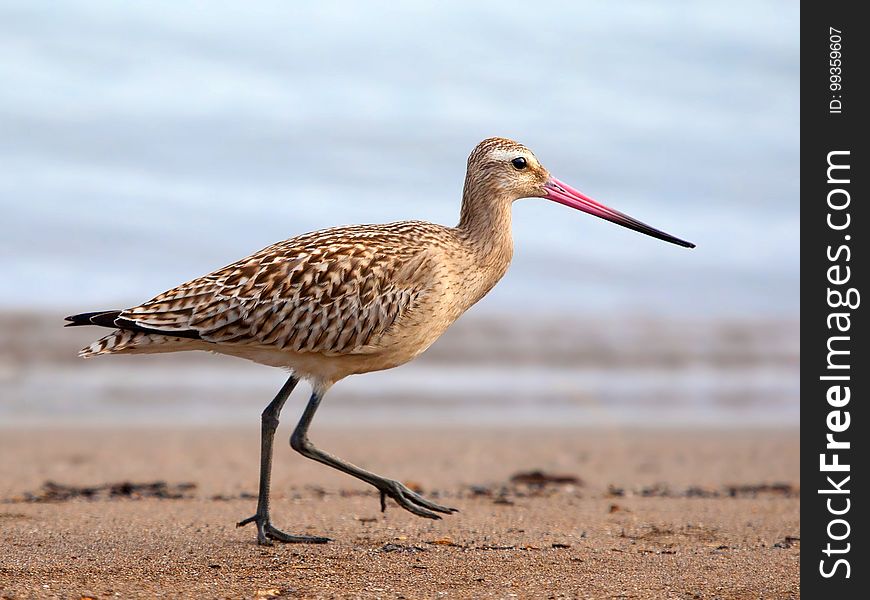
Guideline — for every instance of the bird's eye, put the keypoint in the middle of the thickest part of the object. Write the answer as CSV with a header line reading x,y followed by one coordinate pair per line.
x,y
519,163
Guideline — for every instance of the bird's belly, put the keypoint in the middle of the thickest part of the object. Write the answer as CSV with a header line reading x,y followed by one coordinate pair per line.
x,y
396,348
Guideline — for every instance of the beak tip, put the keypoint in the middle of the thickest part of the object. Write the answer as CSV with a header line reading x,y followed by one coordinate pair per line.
x,y
565,194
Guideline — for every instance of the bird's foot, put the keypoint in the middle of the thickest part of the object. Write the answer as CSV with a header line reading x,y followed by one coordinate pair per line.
x,y
411,501
267,533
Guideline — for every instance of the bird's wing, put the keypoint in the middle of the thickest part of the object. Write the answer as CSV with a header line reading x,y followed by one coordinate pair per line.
x,y
333,293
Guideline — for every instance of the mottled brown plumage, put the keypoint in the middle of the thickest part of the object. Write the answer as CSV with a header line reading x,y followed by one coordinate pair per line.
x,y
344,300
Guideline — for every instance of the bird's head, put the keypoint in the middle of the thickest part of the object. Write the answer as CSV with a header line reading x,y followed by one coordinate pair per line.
x,y
502,170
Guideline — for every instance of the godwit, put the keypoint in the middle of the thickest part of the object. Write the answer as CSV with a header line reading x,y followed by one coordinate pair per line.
x,y
349,300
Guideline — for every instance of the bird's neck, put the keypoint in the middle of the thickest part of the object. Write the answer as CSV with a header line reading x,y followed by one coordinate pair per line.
x,y
485,227
485,219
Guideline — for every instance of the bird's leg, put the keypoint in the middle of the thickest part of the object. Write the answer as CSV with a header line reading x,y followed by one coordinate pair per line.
x,y
265,531
404,497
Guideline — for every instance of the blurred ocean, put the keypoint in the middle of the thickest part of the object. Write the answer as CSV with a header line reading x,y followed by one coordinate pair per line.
x,y
144,144
484,371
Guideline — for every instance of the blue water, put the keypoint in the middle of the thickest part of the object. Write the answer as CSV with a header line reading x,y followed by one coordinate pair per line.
x,y
143,144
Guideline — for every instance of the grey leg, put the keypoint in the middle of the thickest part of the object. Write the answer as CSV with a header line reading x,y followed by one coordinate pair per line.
x,y
265,531
406,498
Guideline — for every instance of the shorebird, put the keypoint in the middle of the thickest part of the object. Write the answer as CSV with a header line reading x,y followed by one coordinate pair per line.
x,y
349,300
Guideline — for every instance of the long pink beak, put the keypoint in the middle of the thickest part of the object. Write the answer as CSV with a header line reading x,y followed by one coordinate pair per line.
x,y
565,194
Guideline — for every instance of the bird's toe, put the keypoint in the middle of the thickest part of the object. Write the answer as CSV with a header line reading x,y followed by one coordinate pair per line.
x,y
268,533
424,502
412,501
273,533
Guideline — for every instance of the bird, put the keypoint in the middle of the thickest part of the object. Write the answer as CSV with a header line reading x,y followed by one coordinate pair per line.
x,y
349,300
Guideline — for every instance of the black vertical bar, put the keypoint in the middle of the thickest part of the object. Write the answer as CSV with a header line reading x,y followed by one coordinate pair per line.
x,y
834,225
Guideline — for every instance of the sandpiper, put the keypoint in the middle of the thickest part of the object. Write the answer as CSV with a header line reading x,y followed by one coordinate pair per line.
x,y
349,300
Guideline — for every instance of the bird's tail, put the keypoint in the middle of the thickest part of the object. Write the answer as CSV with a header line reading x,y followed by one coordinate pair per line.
x,y
117,341
103,318
124,339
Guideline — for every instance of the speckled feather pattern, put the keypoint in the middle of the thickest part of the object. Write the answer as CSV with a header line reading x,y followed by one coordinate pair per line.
x,y
333,292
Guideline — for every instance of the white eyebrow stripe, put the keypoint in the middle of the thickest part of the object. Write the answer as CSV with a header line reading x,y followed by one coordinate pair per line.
x,y
502,154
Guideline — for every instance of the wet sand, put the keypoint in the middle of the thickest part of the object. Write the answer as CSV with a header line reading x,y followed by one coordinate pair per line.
x,y
639,514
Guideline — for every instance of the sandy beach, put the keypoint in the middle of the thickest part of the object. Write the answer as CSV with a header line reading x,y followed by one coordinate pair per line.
x,y
644,459
549,513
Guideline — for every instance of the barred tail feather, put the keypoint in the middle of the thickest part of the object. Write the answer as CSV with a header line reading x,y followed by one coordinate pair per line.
x,y
122,341
114,342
